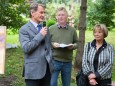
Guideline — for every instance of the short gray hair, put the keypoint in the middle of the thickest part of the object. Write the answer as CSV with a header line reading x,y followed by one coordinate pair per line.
x,y
103,28
62,9
34,7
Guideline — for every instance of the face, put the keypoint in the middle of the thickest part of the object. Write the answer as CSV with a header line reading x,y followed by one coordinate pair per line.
x,y
98,34
61,17
39,15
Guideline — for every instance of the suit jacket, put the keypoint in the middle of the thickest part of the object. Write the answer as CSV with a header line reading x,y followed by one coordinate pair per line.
x,y
37,52
105,60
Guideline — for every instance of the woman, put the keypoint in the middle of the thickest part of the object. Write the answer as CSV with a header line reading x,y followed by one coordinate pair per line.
x,y
98,58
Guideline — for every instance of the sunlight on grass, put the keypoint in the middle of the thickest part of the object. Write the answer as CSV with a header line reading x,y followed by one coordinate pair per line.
x,y
12,39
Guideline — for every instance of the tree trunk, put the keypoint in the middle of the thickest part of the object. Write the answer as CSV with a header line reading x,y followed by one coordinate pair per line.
x,y
81,28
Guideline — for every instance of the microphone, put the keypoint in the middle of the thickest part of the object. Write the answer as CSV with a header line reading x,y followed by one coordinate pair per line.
x,y
44,23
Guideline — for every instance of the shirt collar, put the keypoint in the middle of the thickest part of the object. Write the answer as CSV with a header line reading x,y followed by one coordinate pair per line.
x,y
60,27
94,43
34,23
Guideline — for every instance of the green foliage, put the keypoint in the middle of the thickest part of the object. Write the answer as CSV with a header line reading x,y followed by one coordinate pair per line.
x,y
11,31
41,1
12,12
50,11
50,22
101,11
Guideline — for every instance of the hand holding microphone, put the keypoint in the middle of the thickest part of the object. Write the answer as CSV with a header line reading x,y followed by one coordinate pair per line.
x,y
43,31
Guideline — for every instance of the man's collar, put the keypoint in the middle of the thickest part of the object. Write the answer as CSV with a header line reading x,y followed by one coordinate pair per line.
x,y
60,27
34,23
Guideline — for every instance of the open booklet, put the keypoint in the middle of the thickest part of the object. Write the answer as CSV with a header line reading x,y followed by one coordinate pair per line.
x,y
65,45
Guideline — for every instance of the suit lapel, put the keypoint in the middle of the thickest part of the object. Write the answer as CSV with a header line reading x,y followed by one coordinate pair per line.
x,y
32,27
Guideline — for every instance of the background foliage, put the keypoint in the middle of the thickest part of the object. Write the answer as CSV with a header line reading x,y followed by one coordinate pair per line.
x,y
101,11
12,13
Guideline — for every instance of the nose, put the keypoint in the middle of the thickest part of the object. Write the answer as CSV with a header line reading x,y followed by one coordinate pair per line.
x,y
96,33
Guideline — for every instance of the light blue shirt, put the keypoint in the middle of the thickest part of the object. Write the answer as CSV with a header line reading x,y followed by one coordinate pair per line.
x,y
34,23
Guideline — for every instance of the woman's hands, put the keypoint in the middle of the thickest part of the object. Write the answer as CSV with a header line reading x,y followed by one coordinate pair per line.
x,y
92,80
91,76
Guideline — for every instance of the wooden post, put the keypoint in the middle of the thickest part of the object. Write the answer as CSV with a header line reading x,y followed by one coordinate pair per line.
x,y
2,48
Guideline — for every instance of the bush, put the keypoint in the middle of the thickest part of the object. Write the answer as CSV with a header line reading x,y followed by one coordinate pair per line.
x,y
50,22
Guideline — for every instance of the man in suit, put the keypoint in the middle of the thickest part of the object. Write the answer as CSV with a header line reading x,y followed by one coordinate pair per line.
x,y
35,42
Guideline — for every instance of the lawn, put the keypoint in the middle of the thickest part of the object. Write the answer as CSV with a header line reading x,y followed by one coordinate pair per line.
x,y
14,61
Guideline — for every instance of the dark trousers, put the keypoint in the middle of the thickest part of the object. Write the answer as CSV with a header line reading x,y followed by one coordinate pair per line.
x,y
45,81
105,82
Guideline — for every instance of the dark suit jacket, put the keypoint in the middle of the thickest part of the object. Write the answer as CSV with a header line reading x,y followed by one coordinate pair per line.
x,y
37,52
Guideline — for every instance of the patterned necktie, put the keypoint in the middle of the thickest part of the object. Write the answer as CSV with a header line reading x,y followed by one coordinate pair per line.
x,y
39,27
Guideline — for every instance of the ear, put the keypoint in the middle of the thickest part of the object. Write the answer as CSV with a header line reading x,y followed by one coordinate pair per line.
x,y
32,13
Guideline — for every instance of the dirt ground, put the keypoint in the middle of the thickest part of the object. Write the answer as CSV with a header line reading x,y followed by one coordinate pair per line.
x,y
7,80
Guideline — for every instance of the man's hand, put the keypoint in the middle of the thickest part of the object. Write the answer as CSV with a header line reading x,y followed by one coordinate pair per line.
x,y
70,46
56,45
43,31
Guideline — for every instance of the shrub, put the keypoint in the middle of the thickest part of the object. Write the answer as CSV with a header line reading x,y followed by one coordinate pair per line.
x,y
50,22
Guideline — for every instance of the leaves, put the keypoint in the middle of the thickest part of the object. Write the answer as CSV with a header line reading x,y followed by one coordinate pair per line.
x,y
11,11
101,11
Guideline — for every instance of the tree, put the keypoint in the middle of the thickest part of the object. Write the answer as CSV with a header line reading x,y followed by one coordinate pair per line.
x,y
102,11
11,12
81,28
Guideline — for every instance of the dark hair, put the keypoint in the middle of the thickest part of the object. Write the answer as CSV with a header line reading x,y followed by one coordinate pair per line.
x,y
34,7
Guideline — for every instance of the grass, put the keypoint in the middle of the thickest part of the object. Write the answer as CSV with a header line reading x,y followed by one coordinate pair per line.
x,y
14,59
